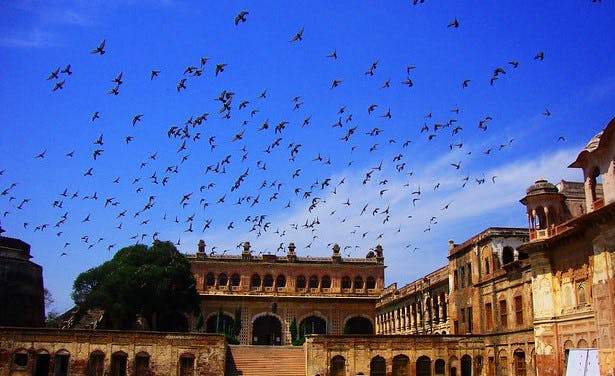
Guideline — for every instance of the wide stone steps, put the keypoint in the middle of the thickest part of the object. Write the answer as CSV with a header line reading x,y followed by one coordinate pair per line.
x,y
244,360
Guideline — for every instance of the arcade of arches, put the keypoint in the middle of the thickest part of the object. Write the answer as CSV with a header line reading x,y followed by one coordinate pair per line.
x,y
416,355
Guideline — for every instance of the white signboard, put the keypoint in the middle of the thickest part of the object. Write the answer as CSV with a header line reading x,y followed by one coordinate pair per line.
x,y
582,362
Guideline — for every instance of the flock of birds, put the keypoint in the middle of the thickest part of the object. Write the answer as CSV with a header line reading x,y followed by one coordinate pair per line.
x,y
258,183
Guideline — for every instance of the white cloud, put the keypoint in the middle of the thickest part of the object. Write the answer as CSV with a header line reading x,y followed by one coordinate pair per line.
x,y
33,38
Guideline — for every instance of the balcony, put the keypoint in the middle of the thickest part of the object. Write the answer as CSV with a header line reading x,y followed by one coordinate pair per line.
x,y
547,233
598,204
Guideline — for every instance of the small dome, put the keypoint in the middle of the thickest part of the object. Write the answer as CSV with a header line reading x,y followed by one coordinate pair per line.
x,y
593,143
541,186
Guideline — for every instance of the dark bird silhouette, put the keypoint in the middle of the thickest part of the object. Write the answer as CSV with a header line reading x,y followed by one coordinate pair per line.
x,y
453,23
408,82
66,70
54,74
220,68
181,84
100,49
465,83
540,56
241,17
136,119
333,54
59,85
153,74
335,83
297,36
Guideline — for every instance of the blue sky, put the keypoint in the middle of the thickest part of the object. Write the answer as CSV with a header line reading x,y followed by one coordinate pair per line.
x,y
540,114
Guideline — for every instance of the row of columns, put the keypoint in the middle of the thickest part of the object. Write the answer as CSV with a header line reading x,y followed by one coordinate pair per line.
x,y
412,318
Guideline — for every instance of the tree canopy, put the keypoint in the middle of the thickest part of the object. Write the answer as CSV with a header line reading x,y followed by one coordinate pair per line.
x,y
154,282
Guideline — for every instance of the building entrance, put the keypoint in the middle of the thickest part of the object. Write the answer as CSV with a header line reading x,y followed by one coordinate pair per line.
x,y
267,331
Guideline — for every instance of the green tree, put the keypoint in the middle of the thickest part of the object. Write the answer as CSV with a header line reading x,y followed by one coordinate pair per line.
x,y
237,322
293,330
154,282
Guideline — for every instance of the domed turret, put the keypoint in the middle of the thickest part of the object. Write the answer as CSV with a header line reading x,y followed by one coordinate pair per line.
x,y
545,208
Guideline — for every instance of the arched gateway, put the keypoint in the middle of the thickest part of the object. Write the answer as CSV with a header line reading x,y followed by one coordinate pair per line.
x,y
267,331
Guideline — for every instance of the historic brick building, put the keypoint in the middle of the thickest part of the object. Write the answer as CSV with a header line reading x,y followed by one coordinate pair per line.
x,y
571,247
324,295
21,284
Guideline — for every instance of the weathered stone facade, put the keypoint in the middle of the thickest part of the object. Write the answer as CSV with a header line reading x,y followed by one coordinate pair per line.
x,y
419,307
572,263
395,355
21,284
104,352
330,293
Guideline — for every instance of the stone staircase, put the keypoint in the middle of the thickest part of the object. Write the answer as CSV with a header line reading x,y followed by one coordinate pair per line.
x,y
242,360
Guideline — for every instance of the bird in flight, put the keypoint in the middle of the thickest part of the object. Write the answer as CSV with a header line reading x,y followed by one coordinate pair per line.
x,y
453,23
54,74
220,68
100,49
241,17
298,36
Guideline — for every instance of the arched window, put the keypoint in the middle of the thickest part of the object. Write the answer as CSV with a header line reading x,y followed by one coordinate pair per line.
x,y
502,363
338,366
20,358
487,266
61,363
313,325
280,281
220,323
508,255
358,325
235,280
268,281
255,281
377,366
346,282
519,362
141,364
581,295
466,365
222,280
326,282
401,365
41,363
358,282
423,366
313,282
300,282
370,283
186,365
96,363
440,367
210,279
118,363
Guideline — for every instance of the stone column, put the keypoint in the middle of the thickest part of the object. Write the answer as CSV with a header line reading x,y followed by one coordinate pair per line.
x,y
441,308
406,318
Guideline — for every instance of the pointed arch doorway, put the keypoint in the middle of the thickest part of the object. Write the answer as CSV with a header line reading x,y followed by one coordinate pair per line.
x,y
267,331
